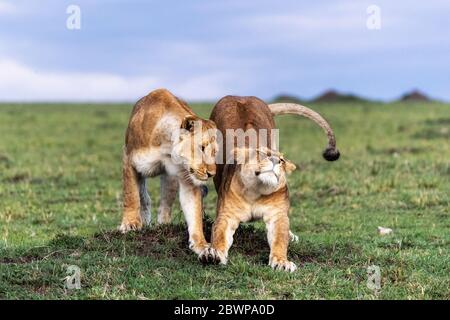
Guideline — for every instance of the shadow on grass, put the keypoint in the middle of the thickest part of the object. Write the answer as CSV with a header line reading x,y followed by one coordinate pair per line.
x,y
156,242
171,242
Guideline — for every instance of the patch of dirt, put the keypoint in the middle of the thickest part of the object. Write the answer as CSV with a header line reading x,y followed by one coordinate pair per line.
x,y
18,178
30,257
64,241
16,260
172,240
41,290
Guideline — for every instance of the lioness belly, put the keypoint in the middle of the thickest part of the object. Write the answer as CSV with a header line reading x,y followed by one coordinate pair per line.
x,y
151,163
169,167
148,162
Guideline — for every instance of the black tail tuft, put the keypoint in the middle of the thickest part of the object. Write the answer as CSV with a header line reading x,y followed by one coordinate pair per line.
x,y
331,154
204,190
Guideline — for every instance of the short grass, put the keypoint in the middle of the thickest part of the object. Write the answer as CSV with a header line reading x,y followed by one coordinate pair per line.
x,y
60,200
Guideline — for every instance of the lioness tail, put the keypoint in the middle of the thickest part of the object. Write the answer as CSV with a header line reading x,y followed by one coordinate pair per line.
x,y
331,153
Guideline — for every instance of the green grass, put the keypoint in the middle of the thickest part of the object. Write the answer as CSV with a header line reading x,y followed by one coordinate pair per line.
x,y
60,199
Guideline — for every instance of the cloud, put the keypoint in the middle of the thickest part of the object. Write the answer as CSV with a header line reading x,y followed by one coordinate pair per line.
x,y
341,27
6,7
19,82
310,29
238,47
203,87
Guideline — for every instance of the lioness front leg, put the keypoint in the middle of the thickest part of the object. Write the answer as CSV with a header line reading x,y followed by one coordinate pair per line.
x,y
221,240
278,237
133,185
191,204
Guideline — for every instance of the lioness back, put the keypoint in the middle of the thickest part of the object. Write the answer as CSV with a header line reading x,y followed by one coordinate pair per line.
x,y
234,112
146,114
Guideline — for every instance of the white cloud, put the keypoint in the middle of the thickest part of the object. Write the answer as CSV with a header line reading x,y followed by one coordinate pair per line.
x,y
19,82
203,87
341,27
6,7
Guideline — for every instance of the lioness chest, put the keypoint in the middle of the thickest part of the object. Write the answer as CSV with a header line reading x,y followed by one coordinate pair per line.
x,y
260,209
154,161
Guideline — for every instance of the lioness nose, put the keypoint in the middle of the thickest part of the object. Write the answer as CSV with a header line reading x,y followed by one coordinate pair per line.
x,y
274,160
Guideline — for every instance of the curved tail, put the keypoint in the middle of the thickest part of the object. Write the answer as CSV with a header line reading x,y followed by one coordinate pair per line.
x,y
331,153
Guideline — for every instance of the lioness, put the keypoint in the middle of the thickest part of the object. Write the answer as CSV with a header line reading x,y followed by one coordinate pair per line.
x,y
255,188
164,137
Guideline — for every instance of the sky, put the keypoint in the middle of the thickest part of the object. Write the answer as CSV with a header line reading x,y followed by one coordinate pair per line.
x,y
205,49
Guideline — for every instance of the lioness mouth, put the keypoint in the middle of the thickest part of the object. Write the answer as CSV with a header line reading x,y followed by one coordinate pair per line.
x,y
268,171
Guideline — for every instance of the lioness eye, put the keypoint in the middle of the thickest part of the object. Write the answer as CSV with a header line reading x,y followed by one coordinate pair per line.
x,y
203,148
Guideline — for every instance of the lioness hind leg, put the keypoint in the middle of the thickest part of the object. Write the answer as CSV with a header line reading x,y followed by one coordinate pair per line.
x,y
146,202
278,238
131,219
169,188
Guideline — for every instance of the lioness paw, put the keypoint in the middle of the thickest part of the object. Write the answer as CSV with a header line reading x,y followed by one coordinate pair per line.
x,y
282,264
212,256
127,226
198,248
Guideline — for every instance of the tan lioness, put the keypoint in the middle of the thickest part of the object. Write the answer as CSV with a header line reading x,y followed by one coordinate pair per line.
x,y
164,137
254,185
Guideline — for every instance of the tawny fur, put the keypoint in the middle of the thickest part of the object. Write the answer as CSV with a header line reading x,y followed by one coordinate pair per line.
x,y
150,150
242,196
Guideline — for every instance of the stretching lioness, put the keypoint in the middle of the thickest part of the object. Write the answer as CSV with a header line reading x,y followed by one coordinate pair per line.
x,y
164,137
256,187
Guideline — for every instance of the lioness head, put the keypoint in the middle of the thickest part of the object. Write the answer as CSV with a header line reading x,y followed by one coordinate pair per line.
x,y
195,148
262,169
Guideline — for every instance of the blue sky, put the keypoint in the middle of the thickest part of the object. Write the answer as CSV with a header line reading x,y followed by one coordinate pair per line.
x,y
205,49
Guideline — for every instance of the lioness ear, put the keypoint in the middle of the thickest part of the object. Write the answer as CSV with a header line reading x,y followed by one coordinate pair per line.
x,y
290,167
188,123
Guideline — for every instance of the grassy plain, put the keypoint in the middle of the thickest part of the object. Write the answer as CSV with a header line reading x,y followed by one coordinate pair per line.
x,y
60,200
